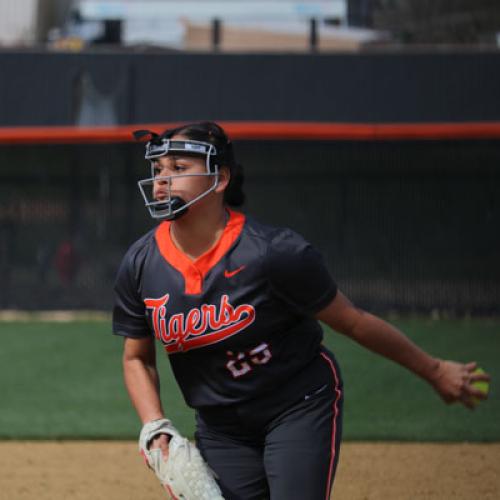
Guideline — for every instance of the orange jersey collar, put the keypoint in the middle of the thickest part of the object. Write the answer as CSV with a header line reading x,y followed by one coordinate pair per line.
x,y
194,271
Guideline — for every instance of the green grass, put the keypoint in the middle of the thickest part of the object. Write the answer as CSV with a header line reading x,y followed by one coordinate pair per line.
x,y
63,380
386,402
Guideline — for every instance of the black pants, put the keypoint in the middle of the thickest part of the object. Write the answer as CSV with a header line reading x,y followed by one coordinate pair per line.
x,y
259,454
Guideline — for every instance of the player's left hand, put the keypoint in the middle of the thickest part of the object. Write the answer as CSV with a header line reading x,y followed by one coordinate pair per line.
x,y
180,469
454,382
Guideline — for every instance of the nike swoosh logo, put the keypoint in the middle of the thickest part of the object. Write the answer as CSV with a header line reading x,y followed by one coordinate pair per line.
x,y
317,391
230,274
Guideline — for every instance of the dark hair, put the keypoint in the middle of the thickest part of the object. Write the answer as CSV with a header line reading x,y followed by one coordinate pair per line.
x,y
214,134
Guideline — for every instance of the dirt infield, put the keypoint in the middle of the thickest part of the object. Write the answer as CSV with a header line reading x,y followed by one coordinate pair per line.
x,y
114,471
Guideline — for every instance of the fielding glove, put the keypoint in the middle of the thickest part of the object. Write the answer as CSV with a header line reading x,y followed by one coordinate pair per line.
x,y
184,474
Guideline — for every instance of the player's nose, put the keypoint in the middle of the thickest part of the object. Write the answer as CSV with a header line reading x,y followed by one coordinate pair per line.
x,y
163,177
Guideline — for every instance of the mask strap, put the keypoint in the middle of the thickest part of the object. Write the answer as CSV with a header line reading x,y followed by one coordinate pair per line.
x,y
145,135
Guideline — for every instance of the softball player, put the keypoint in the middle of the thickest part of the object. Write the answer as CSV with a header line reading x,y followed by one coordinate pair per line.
x,y
235,304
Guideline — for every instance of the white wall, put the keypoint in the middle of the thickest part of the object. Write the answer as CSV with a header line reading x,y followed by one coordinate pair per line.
x,y
26,22
18,22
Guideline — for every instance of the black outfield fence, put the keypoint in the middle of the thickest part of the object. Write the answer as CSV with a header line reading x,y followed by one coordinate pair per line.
x,y
108,88
405,225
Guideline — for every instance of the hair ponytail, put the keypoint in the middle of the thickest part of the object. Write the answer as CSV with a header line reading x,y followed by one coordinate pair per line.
x,y
234,195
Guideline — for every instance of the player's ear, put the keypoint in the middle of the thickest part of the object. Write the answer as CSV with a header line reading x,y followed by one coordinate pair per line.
x,y
224,178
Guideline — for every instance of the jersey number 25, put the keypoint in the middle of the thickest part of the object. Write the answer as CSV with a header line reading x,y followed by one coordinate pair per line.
x,y
243,362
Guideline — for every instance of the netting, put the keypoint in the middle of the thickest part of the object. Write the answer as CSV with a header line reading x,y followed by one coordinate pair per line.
x,y
404,225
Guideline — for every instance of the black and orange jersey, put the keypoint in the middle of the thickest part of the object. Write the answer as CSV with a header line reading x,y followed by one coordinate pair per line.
x,y
237,322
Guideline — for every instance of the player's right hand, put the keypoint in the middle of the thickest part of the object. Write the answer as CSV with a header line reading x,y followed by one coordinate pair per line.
x,y
454,382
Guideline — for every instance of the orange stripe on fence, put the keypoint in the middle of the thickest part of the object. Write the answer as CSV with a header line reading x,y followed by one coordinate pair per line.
x,y
309,131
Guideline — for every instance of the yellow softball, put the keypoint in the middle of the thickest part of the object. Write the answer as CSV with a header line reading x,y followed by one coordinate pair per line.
x,y
480,385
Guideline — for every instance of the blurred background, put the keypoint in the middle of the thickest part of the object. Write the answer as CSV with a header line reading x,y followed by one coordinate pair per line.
x,y
248,25
374,131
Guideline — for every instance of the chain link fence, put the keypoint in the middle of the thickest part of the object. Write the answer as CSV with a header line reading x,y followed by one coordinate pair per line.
x,y
405,226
